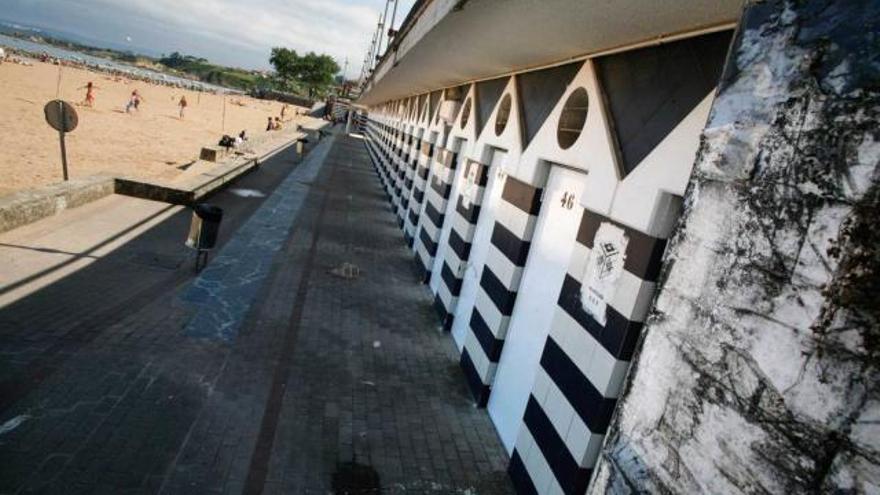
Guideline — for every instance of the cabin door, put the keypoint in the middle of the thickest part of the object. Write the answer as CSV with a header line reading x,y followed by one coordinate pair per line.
x,y
532,316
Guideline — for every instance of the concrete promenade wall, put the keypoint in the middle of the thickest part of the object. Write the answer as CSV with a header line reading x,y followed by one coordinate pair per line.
x,y
30,205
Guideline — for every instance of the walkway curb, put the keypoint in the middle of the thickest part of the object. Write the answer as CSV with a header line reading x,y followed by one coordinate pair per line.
x,y
225,290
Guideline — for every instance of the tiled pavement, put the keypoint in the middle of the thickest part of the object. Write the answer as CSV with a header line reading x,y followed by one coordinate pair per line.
x,y
337,380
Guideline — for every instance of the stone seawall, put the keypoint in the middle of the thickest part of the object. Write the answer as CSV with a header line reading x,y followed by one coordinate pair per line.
x,y
28,206
758,371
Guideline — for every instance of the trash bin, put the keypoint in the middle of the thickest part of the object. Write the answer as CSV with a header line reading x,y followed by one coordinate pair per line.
x,y
204,227
301,148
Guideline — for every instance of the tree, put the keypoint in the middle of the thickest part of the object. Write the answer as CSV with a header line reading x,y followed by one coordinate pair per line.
x,y
311,70
174,60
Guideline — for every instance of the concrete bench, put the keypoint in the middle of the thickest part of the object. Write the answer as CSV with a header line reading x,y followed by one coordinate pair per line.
x,y
213,153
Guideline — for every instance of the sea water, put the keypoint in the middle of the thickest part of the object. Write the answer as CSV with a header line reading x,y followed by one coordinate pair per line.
x,y
103,63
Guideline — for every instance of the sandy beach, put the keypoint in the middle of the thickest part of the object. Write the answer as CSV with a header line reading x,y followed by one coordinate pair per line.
x,y
151,142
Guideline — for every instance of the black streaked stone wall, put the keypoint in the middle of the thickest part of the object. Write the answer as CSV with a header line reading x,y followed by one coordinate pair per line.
x,y
758,368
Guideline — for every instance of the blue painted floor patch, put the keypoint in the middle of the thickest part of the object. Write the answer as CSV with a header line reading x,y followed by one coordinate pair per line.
x,y
226,289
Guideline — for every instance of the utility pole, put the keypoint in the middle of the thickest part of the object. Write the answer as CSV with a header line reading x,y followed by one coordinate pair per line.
x,y
374,52
364,68
393,17
371,55
344,91
382,28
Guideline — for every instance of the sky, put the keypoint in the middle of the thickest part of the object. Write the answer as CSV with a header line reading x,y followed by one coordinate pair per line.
x,y
238,33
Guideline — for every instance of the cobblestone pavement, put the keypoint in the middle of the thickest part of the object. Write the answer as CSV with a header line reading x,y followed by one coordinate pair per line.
x,y
338,379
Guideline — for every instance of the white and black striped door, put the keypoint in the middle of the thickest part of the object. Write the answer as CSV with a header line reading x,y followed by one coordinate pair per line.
x,y
548,259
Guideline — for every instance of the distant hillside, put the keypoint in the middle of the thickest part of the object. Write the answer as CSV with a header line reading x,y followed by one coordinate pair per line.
x,y
11,27
176,64
201,69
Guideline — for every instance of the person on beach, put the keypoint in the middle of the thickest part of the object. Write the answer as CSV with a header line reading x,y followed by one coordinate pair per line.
x,y
130,103
227,142
89,100
182,105
283,111
2,55
137,100
133,102
277,123
240,139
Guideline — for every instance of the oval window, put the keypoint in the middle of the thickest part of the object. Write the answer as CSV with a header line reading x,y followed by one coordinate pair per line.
x,y
465,113
573,118
503,115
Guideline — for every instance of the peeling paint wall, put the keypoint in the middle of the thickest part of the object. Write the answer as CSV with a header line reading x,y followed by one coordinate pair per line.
x,y
758,369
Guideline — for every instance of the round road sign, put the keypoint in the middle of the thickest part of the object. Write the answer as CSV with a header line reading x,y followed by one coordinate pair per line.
x,y
61,115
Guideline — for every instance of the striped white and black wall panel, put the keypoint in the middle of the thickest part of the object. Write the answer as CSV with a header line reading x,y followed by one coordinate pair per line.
x,y
439,186
387,140
388,133
420,168
375,137
463,213
393,165
417,196
583,365
478,246
399,170
388,167
371,148
386,160
405,144
407,180
372,139
398,139
459,134
393,157
408,187
401,143
514,225
459,138
549,256
388,156
383,132
404,181
425,231
410,150
497,116
360,123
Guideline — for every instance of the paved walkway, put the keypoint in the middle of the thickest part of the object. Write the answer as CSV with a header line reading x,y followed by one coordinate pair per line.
x,y
333,376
